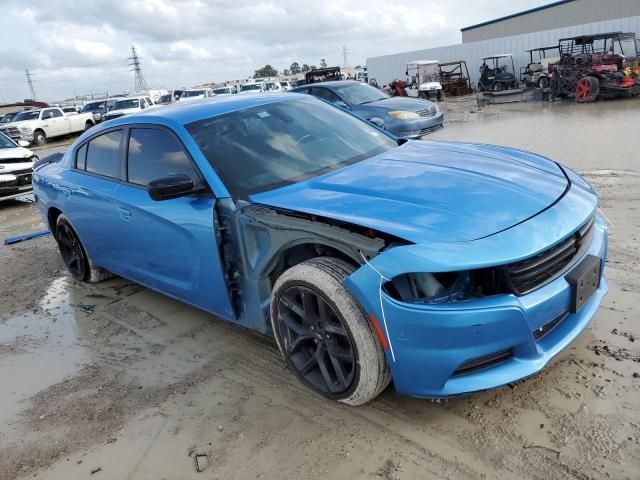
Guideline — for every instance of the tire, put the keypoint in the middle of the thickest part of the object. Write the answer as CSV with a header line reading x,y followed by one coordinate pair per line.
x,y
87,126
74,254
543,82
587,89
498,87
39,138
317,322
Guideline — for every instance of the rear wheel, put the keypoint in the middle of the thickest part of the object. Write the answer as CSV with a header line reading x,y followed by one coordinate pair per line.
x,y
74,255
324,335
587,89
498,87
71,249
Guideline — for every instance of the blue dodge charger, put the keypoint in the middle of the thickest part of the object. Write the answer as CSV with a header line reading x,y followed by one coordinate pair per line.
x,y
445,267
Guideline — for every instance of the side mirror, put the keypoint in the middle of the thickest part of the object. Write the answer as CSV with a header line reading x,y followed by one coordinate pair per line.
x,y
23,143
170,187
378,122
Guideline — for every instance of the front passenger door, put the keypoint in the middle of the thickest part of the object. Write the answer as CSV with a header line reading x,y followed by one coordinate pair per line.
x,y
169,245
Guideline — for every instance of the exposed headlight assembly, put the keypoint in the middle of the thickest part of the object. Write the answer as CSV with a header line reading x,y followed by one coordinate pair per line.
x,y
25,129
448,287
403,115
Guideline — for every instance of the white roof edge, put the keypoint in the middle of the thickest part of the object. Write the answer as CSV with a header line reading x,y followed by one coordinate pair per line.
x,y
423,62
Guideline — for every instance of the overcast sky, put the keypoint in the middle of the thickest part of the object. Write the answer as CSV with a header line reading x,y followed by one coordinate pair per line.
x,y
79,46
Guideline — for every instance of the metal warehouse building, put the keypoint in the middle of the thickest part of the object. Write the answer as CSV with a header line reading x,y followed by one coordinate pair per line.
x,y
538,27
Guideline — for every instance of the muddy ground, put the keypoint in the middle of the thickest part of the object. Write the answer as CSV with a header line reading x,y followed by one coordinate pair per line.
x,y
120,381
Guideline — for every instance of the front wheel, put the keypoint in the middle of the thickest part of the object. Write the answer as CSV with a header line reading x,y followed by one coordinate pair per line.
x,y
323,334
39,138
543,82
587,89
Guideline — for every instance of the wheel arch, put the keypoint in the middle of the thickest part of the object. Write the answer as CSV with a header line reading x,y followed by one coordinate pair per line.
x,y
52,216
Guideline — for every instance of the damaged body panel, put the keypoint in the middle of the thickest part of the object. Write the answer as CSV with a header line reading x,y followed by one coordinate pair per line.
x,y
447,267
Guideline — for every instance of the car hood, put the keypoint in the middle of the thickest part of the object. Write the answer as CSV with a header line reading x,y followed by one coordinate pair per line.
x,y
14,153
398,103
431,191
123,111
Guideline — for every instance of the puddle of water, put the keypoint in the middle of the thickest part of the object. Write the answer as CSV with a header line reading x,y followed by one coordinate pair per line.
x,y
46,349
574,134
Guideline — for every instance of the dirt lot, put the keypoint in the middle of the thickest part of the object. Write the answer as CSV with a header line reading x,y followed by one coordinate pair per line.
x,y
120,381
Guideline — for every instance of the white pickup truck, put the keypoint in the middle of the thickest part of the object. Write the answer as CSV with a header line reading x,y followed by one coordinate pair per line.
x,y
36,126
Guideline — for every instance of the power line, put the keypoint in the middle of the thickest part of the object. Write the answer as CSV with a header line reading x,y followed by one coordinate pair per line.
x,y
30,83
134,64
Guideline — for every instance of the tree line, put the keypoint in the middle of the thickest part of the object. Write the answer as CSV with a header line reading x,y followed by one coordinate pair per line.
x,y
294,69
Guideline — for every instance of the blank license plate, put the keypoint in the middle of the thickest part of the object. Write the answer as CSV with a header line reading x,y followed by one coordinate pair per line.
x,y
584,280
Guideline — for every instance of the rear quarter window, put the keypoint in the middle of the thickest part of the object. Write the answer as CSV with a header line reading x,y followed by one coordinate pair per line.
x,y
103,154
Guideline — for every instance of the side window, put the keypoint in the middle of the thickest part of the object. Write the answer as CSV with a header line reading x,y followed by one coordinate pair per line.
x,y
325,94
143,103
154,154
81,157
149,102
103,154
56,112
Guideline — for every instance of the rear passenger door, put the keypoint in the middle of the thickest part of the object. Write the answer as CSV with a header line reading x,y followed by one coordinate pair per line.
x,y
89,202
168,245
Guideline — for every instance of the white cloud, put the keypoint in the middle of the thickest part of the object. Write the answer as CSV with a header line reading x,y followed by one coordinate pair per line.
x,y
187,42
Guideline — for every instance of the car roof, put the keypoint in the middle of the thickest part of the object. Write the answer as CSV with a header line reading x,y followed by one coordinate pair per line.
x,y
182,113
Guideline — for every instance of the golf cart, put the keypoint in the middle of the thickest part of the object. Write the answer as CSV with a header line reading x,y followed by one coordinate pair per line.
x,y
423,81
454,78
593,66
495,77
536,73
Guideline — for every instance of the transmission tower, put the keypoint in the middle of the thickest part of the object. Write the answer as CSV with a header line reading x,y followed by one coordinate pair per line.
x,y
134,63
345,63
30,82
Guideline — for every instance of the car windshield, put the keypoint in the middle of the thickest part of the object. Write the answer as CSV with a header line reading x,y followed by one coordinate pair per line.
x,y
8,118
360,93
222,91
6,142
165,98
269,146
94,107
26,116
192,93
129,103
250,86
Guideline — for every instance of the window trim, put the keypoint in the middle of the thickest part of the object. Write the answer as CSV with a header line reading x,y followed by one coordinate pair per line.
x,y
124,171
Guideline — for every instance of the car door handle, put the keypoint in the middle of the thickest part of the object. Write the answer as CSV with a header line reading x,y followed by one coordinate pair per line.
x,y
125,213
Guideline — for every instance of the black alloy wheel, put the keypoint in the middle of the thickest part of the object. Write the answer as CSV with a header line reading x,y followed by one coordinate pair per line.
x,y
316,341
71,250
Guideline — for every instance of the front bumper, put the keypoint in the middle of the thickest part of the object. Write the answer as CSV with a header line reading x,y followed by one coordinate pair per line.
x,y
413,129
432,344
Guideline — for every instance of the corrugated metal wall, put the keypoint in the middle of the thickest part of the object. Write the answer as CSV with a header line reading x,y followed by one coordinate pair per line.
x,y
388,67
578,12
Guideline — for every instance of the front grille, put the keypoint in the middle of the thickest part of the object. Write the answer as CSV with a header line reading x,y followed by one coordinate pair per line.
x,y
543,331
12,132
534,272
26,171
429,112
481,363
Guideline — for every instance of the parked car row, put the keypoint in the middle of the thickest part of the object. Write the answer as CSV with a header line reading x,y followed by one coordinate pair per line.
x,y
36,126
